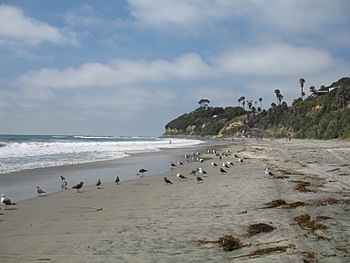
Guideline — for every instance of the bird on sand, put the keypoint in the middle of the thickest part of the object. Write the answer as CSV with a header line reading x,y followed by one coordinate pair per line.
x,y
181,177
268,172
193,172
98,184
78,186
213,164
199,179
172,165
201,171
225,165
6,201
167,181
40,191
63,183
141,172
117,180
223,171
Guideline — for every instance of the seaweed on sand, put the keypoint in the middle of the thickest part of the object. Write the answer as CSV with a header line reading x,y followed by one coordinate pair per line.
x,y
267,251
301,186
331,201
283,204
305,222
259,228
227,242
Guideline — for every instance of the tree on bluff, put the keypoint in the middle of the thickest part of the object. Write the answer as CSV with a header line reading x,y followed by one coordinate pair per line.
x,y
204,103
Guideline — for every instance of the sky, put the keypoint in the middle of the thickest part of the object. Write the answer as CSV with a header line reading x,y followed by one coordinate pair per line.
x,y
129,67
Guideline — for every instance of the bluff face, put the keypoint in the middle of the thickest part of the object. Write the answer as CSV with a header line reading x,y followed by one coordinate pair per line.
x,y
325,114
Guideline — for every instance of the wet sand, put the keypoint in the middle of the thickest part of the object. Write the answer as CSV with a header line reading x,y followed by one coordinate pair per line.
x,y
144,220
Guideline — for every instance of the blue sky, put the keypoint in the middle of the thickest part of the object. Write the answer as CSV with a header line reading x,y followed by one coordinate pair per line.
x,y
128,67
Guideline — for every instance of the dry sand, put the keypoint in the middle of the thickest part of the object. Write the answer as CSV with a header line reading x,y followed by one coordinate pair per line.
x,y
147,221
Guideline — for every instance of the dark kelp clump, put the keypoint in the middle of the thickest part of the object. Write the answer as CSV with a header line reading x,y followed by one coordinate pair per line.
x,y
301,186
267,251
305,222
331,201
259,228
275,203
283,204
227,242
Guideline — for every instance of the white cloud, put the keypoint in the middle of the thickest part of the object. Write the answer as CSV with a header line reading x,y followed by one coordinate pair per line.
x,y
14,25
274,60
182,13
255,16
119,72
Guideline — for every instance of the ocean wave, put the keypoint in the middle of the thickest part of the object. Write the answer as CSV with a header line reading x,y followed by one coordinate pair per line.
x,y
18,156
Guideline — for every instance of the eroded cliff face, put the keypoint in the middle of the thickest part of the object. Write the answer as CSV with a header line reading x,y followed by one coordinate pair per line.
x,y
323,115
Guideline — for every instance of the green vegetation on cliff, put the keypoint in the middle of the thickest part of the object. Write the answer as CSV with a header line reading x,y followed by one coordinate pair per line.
x,y
202,121
323,115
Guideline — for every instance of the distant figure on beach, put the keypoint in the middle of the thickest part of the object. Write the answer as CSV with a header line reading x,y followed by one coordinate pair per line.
x,y
117,180
40,191
169,141
289,136
64,183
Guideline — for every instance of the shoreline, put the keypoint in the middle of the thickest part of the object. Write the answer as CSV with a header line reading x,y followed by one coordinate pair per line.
x,y
21,185
144,220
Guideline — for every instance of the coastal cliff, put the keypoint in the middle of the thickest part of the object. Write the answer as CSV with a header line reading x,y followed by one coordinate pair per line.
x,y
325,114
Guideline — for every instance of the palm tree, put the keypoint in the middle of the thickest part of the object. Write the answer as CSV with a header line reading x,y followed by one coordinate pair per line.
x,y
260,100
250,104
277,93
280,98
239,102
302,82
242,98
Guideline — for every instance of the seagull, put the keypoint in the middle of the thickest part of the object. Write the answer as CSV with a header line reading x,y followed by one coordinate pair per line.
x,y
225,165
180,163
201,160
180,176
229,163
78,186
63,183
141,172
98,184
5,201
201,171
268,172
199,179
167,181
240,160
193,172
117,180
172,165
40,191
236,155
213,164
186,156
223,170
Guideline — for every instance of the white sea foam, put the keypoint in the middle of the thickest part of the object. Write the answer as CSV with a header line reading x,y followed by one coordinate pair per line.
x,y
18,156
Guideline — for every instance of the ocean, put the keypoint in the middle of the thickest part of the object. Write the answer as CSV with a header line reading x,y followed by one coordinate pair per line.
x,y
24,152
27,161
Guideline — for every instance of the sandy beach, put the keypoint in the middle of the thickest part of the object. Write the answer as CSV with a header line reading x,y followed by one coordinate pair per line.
x,y
144,220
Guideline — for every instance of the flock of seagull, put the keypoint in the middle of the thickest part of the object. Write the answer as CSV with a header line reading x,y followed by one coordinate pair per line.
x,y
198,172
